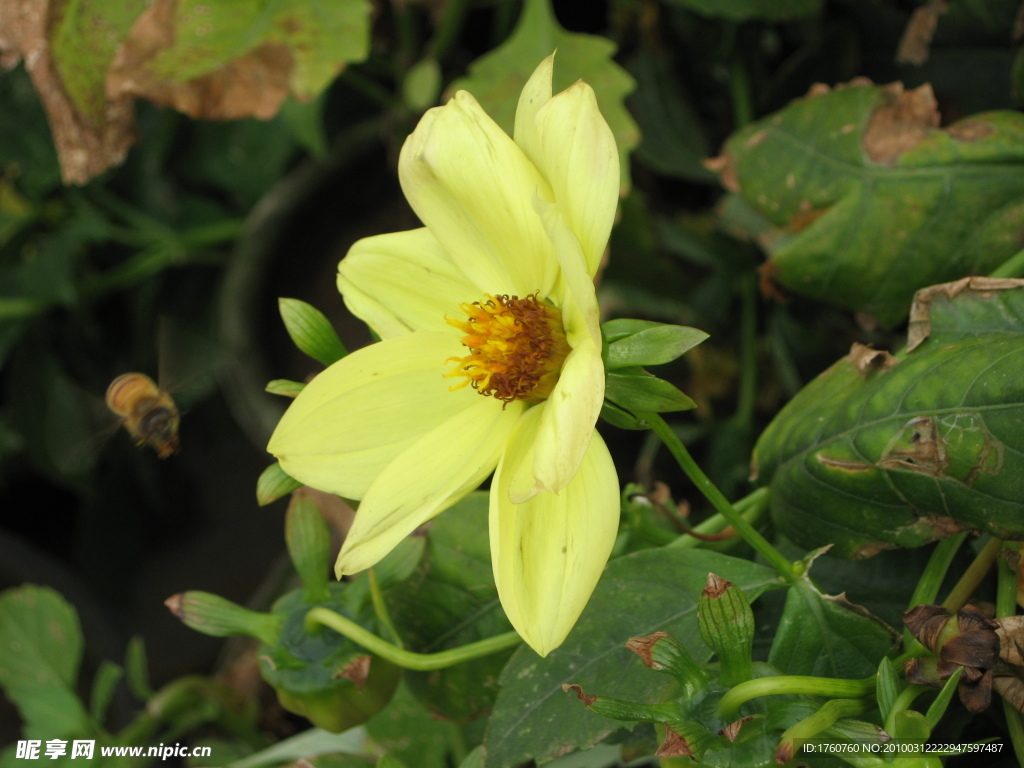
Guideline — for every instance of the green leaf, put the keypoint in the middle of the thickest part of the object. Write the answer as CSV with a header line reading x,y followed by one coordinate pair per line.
x,y
309,546
108,675
448,602
84,41
827,636
497,77
311,331
636,390
409,732
319,38
741,10
136,668
40,650
651,590
273,483
285,387
870,201
315,741
656,344
879,453
888,686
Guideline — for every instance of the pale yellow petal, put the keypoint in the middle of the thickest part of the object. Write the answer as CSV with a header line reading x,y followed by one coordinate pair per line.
x,y
575,151
429,476
548,553
355,417
536,93
472,186
568,419
577,299
519,455
402,282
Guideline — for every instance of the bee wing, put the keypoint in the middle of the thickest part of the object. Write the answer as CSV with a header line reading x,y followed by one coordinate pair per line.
x,y
188,361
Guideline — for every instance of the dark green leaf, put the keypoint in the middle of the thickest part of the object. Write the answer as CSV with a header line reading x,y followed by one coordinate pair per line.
x,y
875,454
639,594
411,733
497,77
108,675
448,602
888,686
636,390
827,636
620,418
740,10
871,201
40,650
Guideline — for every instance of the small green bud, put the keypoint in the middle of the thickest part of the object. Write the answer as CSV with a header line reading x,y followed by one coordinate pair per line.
x,y
213,615
662,652
273,483
726,624
422,84
309,546
311,331
617,709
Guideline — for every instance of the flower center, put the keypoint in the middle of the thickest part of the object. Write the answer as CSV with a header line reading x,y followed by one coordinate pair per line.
x,y
517,348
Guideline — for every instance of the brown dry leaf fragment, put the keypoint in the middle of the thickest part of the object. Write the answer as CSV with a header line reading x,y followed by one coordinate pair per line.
x,y
920,309
1011,688
176,605
85,147
732,730
357,670
901,123
253,85
586,698
1010,631
726,170
674,745
868,361
917,37
642,647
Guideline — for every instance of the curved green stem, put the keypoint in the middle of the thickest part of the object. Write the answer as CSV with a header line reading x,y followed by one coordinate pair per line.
x,y
976,571
420,662
902,703
805,684
380,608
785,569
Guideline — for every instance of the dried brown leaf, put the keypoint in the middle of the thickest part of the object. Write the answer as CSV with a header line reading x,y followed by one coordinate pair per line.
x,y
901,123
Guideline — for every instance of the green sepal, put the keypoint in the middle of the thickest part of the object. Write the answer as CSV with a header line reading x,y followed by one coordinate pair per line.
x,y
274,483
136,667
218,617
698,738
309,547
642,342
285,387
912,727
636,390
887,687
311,331
938,707
104,683
726,624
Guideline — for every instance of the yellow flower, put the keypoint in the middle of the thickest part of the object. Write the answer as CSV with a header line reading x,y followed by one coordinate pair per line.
x,y
490,359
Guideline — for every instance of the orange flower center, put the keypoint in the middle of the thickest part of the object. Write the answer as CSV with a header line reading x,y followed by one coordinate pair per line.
x,y
517,347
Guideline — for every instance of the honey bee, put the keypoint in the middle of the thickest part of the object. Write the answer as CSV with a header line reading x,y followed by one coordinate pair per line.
x,y
147,412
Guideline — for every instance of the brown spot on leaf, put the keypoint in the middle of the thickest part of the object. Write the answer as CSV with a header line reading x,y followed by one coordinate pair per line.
x,y
642,647
357,670
920,309
756,138
86,144
970,130
674,745
726,170
844,465
901,123
253,85
869,361
917,37
804,217
951,446
768,282
715,586
587,699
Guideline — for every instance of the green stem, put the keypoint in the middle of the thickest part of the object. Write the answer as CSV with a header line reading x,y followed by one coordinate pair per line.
x,y
448,29
972,577
380,608
785,569
824,718
927,589
1012,267
739,91
420,662
748,354
793,684
752,507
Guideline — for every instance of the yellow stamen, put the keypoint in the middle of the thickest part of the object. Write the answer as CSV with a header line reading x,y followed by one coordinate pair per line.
x,y
517,345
